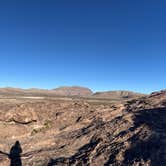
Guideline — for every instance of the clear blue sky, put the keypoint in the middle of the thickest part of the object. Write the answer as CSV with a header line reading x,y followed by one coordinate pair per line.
x,y
101,44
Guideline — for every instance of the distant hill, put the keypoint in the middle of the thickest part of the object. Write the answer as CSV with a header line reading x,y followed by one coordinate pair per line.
x,y
19,91
117,95
61,91
71,91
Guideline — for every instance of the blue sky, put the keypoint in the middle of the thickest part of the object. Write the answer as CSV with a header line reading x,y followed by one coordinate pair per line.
x,y
101,44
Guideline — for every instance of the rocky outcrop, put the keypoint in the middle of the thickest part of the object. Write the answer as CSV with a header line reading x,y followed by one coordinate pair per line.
x,y
72,133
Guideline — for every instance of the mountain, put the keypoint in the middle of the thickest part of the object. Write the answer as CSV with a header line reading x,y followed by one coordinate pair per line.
x,y
73,91
71,133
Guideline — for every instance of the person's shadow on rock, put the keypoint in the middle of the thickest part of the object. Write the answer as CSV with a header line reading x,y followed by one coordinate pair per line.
x,y
15,154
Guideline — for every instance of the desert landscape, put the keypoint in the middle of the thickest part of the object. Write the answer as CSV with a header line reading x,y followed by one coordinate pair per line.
x,y
76,127
82,83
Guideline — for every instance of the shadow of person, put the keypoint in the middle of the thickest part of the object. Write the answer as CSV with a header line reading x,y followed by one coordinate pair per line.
x,y
15,154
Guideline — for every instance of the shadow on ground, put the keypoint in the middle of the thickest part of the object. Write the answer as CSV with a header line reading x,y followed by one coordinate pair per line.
x,y
152,149
15,154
